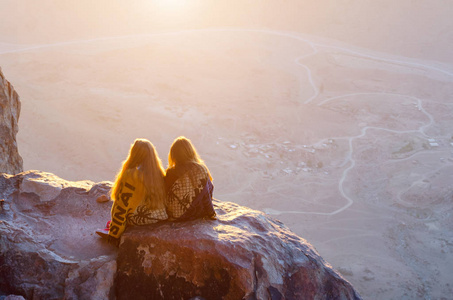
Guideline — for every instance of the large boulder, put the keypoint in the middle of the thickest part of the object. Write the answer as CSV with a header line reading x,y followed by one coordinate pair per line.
x,y
244,254
48,250
10,160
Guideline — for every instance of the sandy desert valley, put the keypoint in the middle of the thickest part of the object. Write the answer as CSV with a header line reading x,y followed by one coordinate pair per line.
x,y
352,149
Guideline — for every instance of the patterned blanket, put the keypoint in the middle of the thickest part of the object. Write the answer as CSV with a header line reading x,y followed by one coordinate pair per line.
x,y
190,196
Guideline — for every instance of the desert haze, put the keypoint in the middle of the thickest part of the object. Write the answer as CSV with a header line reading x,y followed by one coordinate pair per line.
x,y
335,117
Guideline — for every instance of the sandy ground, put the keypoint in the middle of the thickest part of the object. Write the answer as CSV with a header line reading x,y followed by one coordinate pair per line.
x,y
353,150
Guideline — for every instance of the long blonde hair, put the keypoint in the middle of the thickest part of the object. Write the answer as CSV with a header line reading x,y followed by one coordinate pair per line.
x,y
182,151
144,165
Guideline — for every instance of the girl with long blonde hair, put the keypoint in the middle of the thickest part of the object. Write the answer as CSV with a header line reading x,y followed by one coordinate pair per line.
x,y
138,192
188,183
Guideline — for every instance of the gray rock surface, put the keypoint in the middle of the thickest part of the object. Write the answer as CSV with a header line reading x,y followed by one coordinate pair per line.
x,y
48,248
10,160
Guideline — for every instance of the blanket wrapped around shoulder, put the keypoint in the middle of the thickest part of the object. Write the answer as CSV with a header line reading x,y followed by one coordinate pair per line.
x,y
190,196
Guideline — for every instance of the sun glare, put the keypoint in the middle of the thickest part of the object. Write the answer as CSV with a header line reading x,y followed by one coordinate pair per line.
x,y
170,4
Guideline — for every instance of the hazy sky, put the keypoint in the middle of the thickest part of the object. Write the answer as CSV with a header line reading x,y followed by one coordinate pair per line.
x,y
413,28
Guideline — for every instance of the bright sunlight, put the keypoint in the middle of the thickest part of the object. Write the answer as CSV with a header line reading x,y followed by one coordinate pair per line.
x,y
169,5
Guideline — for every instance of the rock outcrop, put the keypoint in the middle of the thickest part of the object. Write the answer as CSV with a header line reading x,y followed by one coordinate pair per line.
x,y
244,254
10,160
48,250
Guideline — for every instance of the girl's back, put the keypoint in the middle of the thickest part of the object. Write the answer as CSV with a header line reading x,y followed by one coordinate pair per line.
x,y
189,192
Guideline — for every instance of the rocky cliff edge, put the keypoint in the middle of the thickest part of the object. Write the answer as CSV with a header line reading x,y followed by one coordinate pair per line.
x,y
10,160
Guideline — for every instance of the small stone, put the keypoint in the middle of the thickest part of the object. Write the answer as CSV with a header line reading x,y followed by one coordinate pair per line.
x,y
14,297
102,198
